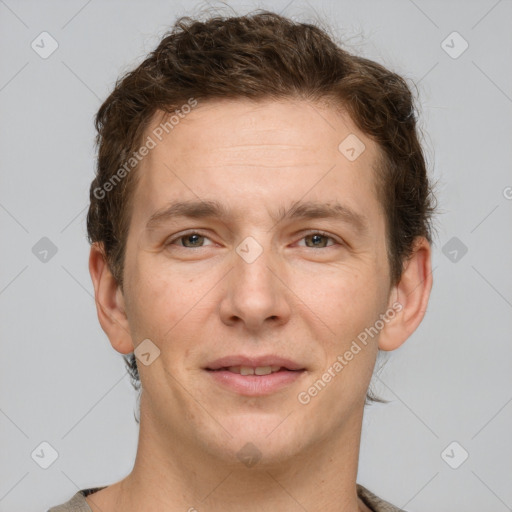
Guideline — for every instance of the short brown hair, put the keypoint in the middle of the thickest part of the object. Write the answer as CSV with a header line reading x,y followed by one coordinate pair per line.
x,y
262,55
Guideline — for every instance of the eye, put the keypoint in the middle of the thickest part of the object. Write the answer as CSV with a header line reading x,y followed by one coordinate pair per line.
x,y
191,240
316,239
195,240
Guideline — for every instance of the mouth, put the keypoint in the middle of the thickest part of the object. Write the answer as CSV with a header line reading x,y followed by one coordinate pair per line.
x,y
250,370
265,363
254,376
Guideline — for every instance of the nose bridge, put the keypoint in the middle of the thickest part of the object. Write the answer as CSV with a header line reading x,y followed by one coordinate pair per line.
x,y
253,257
254,293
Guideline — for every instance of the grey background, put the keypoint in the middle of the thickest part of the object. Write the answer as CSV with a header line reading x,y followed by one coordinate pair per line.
x,y
61,382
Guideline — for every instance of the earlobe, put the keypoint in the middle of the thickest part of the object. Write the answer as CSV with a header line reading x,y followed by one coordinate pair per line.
x,y
411,295
110,305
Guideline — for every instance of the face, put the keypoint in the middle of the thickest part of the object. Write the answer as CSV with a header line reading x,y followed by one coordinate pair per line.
x,y
257,274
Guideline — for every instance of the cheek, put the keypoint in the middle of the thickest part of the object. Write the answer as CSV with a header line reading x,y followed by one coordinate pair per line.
x,y
350,307
155,302
346,299
164,302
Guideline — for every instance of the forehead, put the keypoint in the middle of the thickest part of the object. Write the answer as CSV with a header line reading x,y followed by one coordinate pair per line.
x,y
241,150
292,130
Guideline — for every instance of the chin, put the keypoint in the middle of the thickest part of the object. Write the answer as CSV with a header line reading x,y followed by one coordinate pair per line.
x,y
260,441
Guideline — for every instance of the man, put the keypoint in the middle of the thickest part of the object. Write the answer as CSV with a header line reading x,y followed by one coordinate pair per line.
x,y
260,229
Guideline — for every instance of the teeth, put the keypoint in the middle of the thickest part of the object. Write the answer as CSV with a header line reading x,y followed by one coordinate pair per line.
x,y
248,370
263,370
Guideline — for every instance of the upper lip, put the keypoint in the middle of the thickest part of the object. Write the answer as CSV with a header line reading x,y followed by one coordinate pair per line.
x,y
253,362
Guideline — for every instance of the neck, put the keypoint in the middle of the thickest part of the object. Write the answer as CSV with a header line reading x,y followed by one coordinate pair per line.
x,y
172,473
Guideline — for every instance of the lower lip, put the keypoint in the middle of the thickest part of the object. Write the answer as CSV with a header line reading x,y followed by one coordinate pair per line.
x,y
255,385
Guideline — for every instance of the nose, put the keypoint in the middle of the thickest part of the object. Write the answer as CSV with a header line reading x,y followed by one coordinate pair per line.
x,y
256,294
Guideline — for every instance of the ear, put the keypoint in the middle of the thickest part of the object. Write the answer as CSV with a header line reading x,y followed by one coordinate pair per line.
x,y
109,299
412,294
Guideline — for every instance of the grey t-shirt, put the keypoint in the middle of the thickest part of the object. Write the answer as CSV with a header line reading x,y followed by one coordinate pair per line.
x,y
78,504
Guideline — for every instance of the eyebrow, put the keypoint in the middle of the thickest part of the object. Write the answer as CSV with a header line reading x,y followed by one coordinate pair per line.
x,y
299,210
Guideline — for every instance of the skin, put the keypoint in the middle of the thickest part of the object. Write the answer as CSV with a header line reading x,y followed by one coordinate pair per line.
x,y
303,302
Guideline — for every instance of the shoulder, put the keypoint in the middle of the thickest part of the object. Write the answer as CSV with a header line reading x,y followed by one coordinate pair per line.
x,y
374,502
77,503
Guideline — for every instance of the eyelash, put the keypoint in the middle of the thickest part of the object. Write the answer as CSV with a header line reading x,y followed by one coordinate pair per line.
x,y
317,232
